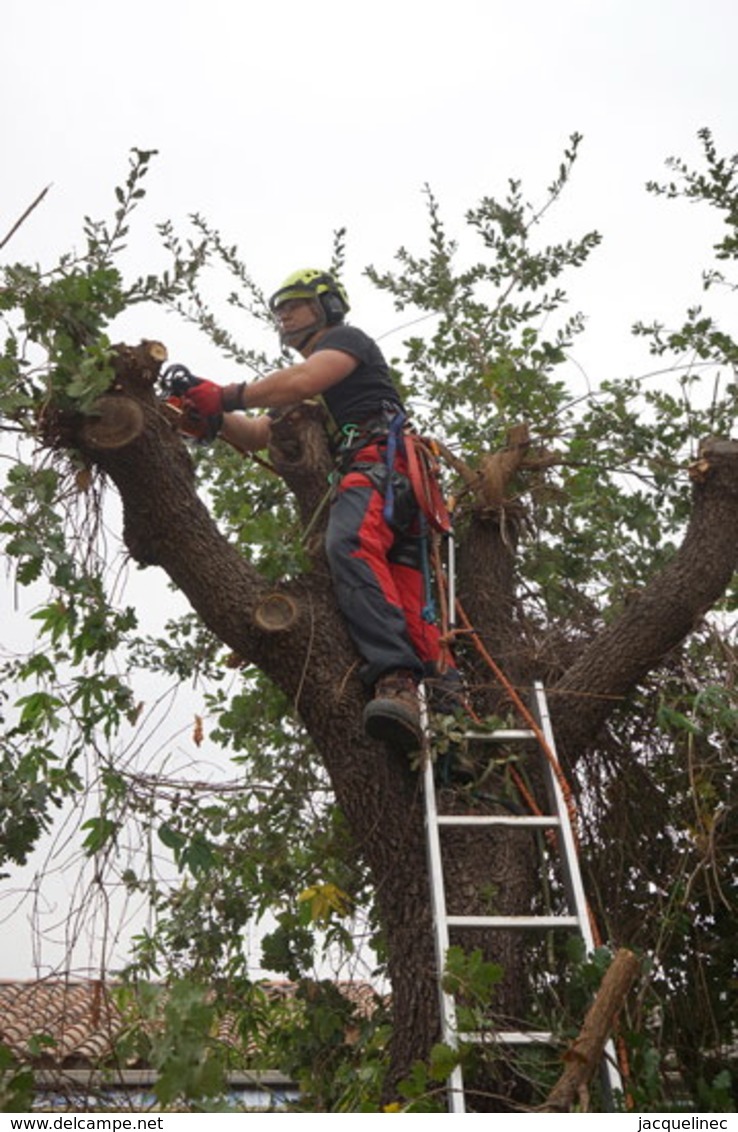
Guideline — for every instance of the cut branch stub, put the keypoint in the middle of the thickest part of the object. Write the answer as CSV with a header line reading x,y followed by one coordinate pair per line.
x,y
117,421
140,365
275,613
300,454
498,469
298,436
712,453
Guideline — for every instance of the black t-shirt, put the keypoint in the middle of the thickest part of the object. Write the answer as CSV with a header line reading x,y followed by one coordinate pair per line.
x,y
368,389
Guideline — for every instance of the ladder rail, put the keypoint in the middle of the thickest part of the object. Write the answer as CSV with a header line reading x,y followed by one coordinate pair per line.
x,y
569,854
573,883
446,1002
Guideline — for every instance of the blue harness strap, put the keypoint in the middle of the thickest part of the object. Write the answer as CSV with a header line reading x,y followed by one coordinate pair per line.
x,y
428,612
394,441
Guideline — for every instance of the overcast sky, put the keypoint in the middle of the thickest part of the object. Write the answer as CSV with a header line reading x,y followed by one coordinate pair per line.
x,y
281,122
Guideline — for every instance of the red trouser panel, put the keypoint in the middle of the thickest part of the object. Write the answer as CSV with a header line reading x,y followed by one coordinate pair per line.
x,y
381,599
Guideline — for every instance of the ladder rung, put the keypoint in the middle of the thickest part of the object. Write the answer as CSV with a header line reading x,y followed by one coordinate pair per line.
x,y
512,735
499,819
510,1037
513,921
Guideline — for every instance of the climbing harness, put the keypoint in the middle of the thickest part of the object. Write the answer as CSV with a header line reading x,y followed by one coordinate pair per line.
x,y
394,441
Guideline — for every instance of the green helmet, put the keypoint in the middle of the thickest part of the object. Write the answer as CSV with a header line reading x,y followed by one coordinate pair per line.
x,y
310,283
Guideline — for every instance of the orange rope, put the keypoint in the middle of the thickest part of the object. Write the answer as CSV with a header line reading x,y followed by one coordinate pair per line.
x,y
525,793
527,716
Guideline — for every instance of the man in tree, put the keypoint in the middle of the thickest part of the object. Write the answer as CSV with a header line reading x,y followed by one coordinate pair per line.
x,y
373,540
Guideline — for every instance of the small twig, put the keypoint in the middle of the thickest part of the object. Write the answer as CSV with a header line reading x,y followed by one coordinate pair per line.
x,y
25,216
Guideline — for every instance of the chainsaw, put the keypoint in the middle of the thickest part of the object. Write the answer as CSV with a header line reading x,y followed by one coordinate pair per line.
x,y
177,380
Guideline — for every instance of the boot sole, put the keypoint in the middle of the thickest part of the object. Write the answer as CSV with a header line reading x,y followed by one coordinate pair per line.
x,y
391,725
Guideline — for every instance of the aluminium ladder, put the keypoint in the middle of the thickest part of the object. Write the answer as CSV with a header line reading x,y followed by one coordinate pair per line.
x,y
577,919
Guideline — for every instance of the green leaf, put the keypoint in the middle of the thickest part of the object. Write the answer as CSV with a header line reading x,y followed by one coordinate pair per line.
x,y
101,831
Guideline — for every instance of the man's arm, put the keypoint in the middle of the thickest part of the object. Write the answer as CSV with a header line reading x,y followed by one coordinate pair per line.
x,y
282,387
248,434
298,382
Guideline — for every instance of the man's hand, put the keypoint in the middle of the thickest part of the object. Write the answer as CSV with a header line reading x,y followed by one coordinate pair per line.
x,y
205,398
199,404
209,399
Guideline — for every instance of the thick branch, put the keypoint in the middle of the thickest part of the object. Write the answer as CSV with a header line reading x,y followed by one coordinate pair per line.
x,y
585,1053
661,616
299,452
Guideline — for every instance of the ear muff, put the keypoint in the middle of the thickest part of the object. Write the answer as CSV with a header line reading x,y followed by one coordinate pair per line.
x,y
334,307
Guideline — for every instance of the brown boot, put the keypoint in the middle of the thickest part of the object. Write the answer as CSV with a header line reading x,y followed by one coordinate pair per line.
x,y
394,714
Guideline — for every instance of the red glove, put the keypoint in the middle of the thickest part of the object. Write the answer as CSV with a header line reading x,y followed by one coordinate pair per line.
x,y
209,399
193,403
205,398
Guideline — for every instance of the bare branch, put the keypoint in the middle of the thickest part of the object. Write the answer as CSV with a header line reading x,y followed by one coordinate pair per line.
x,y
25,216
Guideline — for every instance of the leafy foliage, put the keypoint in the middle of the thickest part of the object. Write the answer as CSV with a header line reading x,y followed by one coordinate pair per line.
x,y
16,1083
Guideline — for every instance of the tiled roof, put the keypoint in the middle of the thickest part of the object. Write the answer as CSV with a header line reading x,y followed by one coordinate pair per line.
x,y
83,1022
80,1018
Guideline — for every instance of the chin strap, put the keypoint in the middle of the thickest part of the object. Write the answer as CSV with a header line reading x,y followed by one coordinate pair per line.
x,y
298,339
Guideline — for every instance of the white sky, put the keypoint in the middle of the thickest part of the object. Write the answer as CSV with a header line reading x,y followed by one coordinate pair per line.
x,y
282,122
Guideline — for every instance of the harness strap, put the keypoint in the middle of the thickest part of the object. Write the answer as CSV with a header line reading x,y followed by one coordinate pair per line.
x,y
394,441
422,465
428,612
